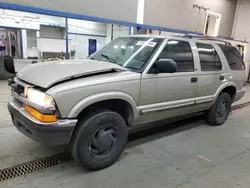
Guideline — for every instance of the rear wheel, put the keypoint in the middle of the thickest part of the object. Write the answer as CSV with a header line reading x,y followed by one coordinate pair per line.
x,y
220,111
99,140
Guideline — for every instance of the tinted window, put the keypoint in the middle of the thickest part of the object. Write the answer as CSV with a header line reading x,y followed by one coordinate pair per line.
x,y
181,53
209,59
233,56
217,60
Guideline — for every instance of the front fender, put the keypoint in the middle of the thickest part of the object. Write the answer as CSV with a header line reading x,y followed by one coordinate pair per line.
x,y
84,103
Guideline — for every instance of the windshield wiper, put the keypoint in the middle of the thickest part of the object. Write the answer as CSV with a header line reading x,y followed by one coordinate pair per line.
x,y
109,58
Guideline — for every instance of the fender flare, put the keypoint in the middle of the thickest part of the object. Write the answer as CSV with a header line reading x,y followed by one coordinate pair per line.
x,y
84,103
223,86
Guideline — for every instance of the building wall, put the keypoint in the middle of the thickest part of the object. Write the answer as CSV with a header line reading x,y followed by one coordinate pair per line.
x,y
80,44
51,27
123,10
120,31
241,29
28,20
52,32
180,14
86,27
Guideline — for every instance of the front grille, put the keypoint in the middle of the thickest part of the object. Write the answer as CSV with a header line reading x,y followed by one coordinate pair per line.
x,y
17,89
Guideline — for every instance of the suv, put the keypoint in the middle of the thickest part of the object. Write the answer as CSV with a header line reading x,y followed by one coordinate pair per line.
x,y
90,104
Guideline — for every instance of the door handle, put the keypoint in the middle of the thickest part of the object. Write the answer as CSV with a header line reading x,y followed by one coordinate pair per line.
x,y
222,77
194,79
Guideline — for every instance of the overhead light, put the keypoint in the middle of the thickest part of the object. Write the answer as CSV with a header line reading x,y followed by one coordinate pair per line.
x,y
173,42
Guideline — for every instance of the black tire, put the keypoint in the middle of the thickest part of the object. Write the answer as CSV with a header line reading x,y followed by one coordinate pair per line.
x,y
102,130
220,111
9,65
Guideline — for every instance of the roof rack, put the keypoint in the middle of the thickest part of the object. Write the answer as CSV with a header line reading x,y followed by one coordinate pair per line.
x,y
206,38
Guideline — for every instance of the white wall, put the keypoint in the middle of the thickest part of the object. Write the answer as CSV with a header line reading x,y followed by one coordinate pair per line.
x,y
241,29
180,14
120,31
52,32
86,27
124,10
108,33
79,43
51,45
80,32
28,20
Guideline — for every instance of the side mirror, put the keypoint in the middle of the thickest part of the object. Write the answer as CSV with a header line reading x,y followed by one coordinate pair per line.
x,y
166,66
9,65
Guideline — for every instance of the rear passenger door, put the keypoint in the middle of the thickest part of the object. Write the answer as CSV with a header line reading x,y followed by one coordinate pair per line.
x,y
210,75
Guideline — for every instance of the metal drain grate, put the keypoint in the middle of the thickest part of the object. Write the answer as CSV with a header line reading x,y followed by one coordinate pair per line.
x,y
33,166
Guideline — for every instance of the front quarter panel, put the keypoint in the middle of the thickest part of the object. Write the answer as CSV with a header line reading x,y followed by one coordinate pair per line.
x,y
73,96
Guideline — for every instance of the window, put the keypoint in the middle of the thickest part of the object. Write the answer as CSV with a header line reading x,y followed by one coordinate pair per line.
x,y
181,53
233,56
209,59
130,52
31,39
52,32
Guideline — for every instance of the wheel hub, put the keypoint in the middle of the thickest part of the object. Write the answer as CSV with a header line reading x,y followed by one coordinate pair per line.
x,y
222,109
103,141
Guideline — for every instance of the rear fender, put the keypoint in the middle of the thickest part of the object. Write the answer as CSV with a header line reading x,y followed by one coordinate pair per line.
x,y
223,86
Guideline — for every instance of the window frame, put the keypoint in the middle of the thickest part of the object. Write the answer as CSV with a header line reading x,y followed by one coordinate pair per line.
x,y
150,70
214,54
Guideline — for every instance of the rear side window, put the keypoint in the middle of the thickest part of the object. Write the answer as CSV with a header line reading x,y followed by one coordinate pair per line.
x,y
209,59
233,56
181,53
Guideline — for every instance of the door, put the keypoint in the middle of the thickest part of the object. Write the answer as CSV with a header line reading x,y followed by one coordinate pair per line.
x,y
165,95
210,76
92,46
212,24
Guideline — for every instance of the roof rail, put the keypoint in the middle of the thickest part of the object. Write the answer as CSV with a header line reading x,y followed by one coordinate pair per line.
x,y
206,38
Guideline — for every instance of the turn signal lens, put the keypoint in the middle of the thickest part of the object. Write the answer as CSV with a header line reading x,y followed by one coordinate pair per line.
x,y
39,116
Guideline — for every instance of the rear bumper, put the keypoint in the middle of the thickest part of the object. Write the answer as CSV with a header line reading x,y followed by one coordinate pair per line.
x,y
58,133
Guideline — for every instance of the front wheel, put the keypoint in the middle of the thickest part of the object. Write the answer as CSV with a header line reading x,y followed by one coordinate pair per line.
x,y
220,111
99,140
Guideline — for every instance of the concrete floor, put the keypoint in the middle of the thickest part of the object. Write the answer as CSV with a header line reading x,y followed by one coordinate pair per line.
x,y
195,156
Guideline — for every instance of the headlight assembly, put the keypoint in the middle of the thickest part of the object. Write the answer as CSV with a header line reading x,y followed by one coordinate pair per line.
x,y
39,98
43,100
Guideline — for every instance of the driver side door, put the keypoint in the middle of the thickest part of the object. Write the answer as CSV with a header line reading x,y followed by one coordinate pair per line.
x,y
165,95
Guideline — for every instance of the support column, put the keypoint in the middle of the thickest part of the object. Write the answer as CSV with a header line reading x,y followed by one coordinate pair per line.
x,y
140,11
67,39
112,32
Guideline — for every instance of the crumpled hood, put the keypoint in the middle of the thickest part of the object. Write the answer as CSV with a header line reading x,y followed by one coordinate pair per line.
x,y
46,74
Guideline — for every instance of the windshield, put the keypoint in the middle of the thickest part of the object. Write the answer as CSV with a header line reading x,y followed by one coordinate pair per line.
x,y
129,52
